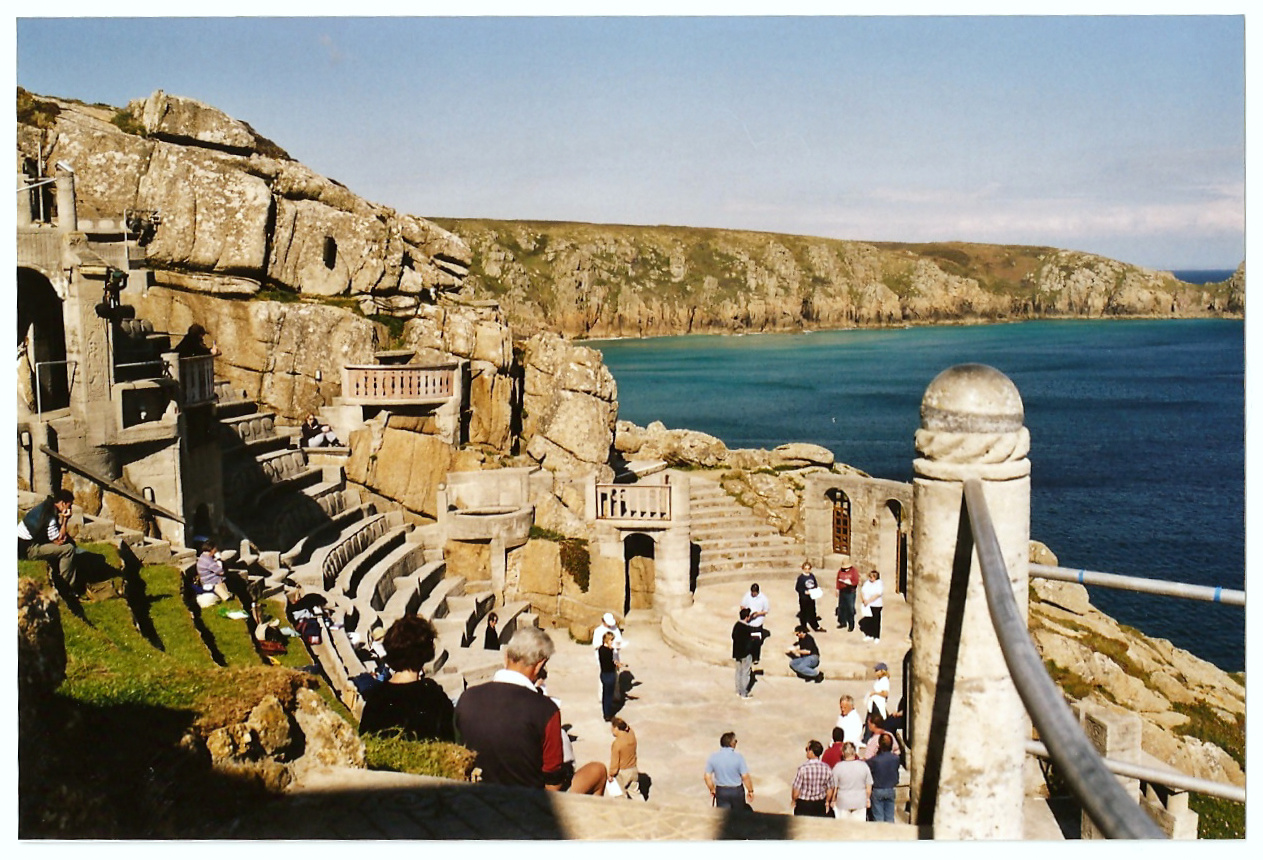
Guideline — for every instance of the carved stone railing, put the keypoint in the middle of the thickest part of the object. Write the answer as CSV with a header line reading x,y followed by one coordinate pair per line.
x,y
634,502
197,379
372,384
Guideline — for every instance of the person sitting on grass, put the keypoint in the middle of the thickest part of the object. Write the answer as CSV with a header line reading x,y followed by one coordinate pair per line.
x,y
408,700
210,587
42,535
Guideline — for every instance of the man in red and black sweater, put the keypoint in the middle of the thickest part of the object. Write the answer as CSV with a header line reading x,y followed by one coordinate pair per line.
x,y
516,730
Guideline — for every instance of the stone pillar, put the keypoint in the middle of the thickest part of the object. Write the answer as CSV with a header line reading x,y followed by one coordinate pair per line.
x,y
969,727
1115,735
67,216
673,557
1169,808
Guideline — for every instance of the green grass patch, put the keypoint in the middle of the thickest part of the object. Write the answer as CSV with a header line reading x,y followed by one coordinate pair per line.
x,y
428,758
546,534
394,329
576,561
35,111
1206,724
124,121
1218,818
1071,683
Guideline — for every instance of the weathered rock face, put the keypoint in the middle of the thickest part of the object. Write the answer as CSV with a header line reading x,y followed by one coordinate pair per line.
x,y
400,464
569,409
605,280
1147,676
480,335
275,745
41,645
271,350
236,212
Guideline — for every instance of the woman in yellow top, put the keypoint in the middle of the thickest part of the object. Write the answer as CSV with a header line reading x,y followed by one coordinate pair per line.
x,y
623,758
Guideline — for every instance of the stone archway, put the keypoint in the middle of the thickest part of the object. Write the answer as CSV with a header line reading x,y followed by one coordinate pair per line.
x,y
41,339
892,552
638,571
840,521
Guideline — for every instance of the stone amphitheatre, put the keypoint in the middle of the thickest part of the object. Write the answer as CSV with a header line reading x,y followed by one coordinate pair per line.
x,y
481,470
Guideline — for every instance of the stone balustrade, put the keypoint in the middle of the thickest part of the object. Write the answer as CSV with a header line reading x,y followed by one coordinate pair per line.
x,y
197,379
374,384
635,502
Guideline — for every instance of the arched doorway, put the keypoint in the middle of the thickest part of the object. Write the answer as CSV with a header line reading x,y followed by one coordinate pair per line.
x,y
41,344
638,572
840,528
892,545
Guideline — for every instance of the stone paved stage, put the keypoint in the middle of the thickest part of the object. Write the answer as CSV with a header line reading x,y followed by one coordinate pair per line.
x,y
682,706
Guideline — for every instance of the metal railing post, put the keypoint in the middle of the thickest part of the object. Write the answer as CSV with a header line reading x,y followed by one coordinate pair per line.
x,y
968,723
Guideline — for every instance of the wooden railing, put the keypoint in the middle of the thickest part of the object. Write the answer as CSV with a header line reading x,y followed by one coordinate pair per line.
x,y
640,502
398,384
197,379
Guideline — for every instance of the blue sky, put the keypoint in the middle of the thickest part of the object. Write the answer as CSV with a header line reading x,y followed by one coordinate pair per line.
x,y
1124,136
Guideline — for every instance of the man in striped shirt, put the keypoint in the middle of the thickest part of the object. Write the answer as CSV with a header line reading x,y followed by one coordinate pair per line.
x,y
811,783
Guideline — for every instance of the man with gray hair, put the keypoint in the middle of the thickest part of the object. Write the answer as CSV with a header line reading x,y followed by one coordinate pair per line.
x,y
515,730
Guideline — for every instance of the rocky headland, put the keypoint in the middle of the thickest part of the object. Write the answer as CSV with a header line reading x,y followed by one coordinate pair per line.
x,y
295,276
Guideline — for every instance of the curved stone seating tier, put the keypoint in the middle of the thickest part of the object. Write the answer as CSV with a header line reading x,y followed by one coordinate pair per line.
x,y
410,595
346,585
463,614
510,615
301,551
287,520
435,606
251,429
380,582
331,559
330,658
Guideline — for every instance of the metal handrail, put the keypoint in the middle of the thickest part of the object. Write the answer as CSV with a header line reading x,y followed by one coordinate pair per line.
x,y
1116,814
1159,776
1208,593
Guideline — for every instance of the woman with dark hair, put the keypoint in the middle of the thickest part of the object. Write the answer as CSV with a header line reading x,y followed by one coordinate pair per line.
x,y
408,700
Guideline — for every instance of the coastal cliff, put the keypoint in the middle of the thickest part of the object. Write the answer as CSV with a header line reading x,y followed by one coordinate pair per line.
x,y
593,280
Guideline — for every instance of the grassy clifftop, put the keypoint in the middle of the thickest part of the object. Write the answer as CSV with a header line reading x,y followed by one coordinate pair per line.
x,y
602,280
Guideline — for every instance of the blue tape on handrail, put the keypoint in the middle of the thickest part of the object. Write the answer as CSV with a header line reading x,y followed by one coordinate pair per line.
x,y
1218,590
1081,572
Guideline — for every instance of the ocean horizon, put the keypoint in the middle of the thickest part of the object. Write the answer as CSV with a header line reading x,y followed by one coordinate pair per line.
x,y
1137,434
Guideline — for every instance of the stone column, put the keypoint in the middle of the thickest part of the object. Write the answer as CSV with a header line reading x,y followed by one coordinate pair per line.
x,y
969,726
1115,735
67,216
673,555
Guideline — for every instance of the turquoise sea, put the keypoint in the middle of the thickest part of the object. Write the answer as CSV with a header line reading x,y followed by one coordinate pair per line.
x,y
1137,434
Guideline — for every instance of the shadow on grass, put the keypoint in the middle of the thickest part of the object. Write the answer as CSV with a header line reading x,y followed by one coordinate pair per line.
x,y
119,772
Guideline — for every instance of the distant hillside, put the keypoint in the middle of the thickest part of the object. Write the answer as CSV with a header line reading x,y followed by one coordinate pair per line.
x,y
597,280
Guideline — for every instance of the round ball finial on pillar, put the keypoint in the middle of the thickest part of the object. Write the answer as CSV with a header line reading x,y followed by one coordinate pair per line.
x,y
969,725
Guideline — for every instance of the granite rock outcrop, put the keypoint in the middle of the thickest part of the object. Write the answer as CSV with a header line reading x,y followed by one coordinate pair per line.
x,y
588,280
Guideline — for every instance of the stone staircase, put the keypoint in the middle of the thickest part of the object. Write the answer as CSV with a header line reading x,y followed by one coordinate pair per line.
x,y
302,526
735,544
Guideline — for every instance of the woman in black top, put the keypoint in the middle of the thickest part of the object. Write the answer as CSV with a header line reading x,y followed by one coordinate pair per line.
x,y
609,674
409,701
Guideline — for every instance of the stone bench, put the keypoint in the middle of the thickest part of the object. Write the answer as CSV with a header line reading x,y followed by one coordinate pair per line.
x,y
347,583
331,559
409,600
301,551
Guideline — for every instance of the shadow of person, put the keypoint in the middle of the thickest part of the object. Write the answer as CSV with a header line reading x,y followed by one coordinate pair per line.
x,y
645,783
